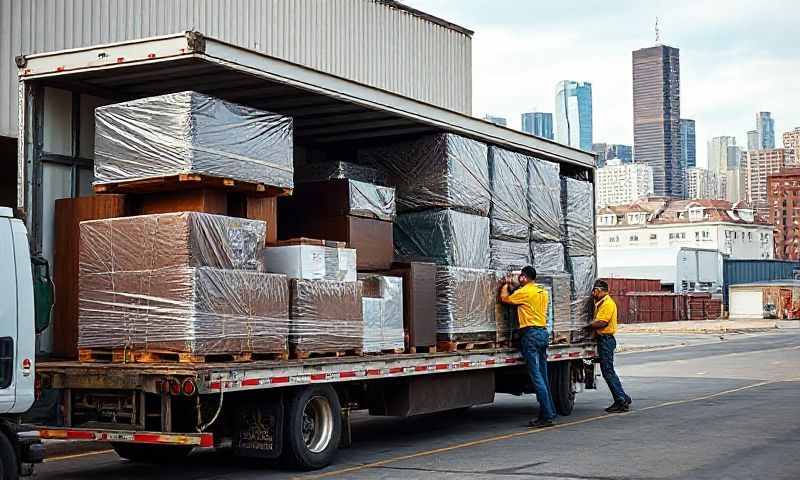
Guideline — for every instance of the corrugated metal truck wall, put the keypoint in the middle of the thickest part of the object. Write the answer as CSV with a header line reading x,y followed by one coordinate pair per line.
x,y
368,41
748,271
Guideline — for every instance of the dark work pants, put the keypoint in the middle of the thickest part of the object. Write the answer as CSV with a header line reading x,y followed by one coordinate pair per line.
x,y
534,348
606,345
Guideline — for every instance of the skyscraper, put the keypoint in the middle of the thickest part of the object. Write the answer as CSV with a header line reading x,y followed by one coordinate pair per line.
x,y
496,120
609,151
656,117
766,130
688,144
753,143
791,142
758,165
573,114
718,154
538,123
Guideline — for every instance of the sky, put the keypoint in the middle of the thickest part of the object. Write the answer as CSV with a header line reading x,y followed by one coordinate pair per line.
x,y
736,57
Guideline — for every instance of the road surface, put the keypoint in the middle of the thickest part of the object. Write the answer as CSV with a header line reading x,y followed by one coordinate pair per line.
x,y
729,409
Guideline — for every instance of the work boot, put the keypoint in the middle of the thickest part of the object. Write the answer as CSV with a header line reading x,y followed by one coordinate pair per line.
x,y
541,423
615,407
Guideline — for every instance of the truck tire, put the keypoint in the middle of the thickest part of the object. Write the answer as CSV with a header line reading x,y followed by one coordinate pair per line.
x,y
150,453
313,427
561,388
9,470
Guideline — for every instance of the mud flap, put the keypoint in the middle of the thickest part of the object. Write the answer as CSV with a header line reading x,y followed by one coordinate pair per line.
x,y
258,431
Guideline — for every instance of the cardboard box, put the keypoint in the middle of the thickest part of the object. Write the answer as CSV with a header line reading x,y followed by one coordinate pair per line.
x,y
419,301
326,316
311,262
339,197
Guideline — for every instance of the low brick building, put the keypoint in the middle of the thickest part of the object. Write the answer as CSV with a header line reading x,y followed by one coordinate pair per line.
x,y
784,201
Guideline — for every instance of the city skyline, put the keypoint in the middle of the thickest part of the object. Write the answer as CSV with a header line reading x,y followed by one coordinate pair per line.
x,y
524,49
572,116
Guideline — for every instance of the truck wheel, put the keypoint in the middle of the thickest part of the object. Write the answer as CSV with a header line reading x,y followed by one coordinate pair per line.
x,y
150,453
562,388
313,427
8,459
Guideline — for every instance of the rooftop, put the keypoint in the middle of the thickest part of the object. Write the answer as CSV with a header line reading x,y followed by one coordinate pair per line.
x,y
664,211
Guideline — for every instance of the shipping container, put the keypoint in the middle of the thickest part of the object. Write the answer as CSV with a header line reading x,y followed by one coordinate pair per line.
x,y
384,44
749,271
655,307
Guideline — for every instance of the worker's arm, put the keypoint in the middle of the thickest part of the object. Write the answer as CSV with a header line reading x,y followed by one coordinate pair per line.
x,y
511,298
602,318
504,294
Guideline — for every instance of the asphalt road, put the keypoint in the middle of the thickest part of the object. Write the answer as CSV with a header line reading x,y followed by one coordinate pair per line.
x,y
724,410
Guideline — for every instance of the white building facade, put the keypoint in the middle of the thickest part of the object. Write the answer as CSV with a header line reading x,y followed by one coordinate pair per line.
x,y
621,184
702,183
696,224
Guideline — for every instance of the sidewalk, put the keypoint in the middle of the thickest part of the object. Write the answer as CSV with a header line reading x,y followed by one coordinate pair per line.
x,y
709,326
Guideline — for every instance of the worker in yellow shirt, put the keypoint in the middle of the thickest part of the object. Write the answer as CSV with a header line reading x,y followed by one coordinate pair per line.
x,y
532,301
605,326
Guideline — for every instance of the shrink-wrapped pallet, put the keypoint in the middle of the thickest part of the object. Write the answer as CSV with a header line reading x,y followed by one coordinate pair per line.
x,y
548,257
465,304
508,255
326,316
322,171
202,311
448,237
560,289
436,171
510,218
383,313
341,197
584,274
311,262
185,239
544,201
579,213
191,133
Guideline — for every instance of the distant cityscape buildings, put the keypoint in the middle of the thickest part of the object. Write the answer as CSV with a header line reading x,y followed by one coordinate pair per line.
x,y
623,183
757,166
656,117
784,213
573,114
608,151
688,144
765,126
753,143
718,153
702,183
539,124
791,142
496,120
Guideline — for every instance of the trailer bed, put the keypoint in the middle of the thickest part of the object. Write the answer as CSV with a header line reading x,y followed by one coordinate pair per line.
x,y
233,376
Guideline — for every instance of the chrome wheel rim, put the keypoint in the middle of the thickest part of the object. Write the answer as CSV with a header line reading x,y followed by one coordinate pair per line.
x,y
317,426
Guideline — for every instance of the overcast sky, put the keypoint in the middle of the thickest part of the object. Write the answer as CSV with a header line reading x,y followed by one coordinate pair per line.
x,y
737,58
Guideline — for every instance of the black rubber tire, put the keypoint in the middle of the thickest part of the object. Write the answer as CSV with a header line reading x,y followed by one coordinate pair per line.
x,y
295,452
151,453
561,388
9,470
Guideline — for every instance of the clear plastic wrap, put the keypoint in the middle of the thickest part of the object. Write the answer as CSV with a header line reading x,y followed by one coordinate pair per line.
x,y
326,316
584,274
508,172
548,257
321,171
579,206
447,237
372,201
185,239
383,312
465,303
436,171
311,262
192,133
200,311
508,255
544,201
560,289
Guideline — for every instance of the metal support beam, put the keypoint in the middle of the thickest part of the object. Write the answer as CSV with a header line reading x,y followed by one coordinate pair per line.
x,y
166,413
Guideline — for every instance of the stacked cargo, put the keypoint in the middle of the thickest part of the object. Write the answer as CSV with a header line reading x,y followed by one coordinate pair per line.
x,y
185,284
444,202
578,201
509,216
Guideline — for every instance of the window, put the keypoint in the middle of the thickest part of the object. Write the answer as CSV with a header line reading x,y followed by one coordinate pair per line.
x,y
697,236
695,214
749,235
634,238
653,236
672,236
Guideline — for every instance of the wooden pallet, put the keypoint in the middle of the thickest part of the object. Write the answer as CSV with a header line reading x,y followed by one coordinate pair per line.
x,y
301,355
184,181
120,355
453,346
421,349
387,351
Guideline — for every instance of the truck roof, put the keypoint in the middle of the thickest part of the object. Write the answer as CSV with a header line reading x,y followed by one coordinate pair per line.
x,y
326,109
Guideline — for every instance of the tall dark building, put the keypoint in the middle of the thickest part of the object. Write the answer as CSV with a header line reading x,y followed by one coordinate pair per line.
x,y
688,144
657,117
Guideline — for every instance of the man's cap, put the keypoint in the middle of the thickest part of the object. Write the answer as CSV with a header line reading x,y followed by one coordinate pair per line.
x,y
529,272
601,284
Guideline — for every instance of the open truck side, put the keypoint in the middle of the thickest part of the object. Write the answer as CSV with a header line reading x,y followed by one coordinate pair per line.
x,y
299,409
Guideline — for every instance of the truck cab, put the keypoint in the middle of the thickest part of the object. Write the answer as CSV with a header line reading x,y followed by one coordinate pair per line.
x,y
19,445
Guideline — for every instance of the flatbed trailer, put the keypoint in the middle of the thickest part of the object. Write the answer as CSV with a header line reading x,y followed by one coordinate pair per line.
x,y
297,410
